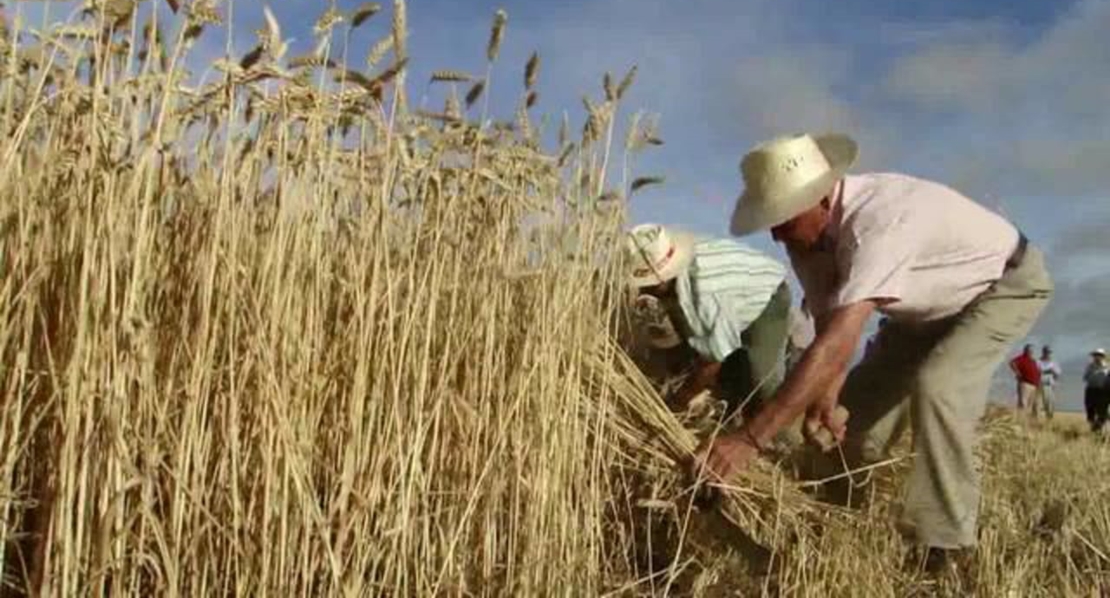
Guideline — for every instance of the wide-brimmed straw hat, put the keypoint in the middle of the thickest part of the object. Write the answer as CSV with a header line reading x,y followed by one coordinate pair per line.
x,y
786,176
1099,352
658,254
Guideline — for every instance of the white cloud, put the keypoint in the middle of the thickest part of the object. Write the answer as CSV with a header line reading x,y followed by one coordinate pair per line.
x,y
952,75
789,90
1032,115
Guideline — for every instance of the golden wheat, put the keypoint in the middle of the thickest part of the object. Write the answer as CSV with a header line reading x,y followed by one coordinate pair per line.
x,y
273,335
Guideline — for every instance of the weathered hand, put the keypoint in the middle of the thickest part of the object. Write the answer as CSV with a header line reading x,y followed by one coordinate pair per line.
x,y
826,424
719,460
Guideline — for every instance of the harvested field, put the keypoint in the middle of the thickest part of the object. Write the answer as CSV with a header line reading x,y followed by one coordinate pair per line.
x,y
282,334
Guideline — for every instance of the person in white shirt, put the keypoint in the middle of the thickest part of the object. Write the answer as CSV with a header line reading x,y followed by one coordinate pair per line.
x,y
1050,375
1096,398
960,285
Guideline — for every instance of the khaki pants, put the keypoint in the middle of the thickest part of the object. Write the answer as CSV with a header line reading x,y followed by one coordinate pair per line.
x,y
1026,396
1045,400
936,377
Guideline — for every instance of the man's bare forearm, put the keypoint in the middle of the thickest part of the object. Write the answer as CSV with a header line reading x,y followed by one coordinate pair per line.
x,y
820,323
818,369
823,366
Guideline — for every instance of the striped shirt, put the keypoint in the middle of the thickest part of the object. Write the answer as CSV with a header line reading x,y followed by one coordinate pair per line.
x,y
725,288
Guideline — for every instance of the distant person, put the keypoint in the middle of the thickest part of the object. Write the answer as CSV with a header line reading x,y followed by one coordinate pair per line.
x,y
729,302
1096,397
1028,377
1050,376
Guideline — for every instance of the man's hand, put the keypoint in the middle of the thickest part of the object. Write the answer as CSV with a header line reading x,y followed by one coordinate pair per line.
x,y
703,377
825,420
826,424
819,375
721,459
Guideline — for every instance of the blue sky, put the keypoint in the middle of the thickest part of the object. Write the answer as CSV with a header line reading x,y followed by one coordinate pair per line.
x,y
1006,101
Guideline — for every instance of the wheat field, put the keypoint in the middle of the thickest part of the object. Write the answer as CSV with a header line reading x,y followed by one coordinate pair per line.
x,y
283,333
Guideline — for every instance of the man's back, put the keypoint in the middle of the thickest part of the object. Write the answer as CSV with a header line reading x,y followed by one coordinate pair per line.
x,y
927,248
1027,370
725,288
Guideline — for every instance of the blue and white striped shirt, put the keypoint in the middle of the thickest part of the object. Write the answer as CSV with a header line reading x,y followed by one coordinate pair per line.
x,y
726,287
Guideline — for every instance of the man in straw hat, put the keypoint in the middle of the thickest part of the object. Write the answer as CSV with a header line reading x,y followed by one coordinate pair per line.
x,y
1096,396
959,285
729,302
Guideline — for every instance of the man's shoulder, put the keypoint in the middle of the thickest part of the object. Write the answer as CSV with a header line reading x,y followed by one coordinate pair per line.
x,y
874,201
720,251
705,245
722,268
887,179
896,192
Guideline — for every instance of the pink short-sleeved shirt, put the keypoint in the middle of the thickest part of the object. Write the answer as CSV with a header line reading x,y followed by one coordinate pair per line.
x,y
921,246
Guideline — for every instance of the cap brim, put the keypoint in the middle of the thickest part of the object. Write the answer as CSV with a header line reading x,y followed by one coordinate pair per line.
x,y
684,242
753,214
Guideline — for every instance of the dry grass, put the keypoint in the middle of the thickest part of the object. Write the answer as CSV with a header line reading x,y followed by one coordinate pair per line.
x,y
1044,530
278,334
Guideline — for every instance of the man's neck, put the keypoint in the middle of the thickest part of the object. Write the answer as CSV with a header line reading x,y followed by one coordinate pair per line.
x,y
826,243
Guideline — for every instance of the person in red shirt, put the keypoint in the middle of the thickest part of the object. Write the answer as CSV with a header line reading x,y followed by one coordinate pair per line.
x,y
1028,376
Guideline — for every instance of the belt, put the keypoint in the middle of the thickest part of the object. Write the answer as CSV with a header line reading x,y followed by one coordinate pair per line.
x,y
1019,253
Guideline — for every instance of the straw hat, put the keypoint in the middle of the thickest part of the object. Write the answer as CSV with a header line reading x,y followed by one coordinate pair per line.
x,y
1099,352
658,254
786,176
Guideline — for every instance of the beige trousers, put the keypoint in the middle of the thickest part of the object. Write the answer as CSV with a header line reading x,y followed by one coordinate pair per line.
x,y
1026,395
1045,401
935,378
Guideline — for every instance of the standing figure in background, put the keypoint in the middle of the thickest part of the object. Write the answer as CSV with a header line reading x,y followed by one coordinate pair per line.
x,y
1096,398
1050,375
1028,377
